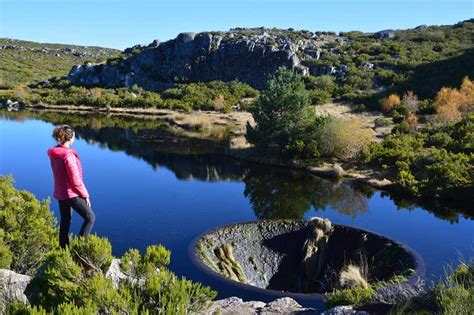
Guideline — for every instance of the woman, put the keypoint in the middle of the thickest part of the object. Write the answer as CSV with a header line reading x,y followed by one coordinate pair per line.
x,y
69,188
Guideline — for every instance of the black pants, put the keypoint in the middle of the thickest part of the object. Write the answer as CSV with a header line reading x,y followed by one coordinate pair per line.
x,y
80,206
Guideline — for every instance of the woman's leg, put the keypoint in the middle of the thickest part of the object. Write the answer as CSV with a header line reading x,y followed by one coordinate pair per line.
x,y
79,204
65,211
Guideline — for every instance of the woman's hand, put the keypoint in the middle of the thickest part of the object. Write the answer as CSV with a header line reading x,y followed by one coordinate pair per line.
x,y
88,203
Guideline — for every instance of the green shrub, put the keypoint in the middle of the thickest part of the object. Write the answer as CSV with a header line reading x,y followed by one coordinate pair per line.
x,y
138,266
57,281
93,253
353,296
157,256
382,122
6,256
319,97
18,308
164,293
99,292
21,216
436,161
130,263
453,295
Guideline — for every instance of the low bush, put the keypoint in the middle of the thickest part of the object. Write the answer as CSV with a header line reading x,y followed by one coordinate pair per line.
x,y
437,161
21,217
344,138
352,296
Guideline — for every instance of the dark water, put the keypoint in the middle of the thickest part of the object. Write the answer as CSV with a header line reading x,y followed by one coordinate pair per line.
x,y
148,187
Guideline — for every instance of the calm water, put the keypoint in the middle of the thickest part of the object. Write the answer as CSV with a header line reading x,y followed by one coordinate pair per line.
x,y
148,188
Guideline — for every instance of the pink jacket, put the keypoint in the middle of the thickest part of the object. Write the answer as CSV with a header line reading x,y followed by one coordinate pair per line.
x,y
67,171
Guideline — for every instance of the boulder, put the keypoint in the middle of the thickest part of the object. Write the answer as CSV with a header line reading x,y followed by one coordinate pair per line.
x,y
12,288
385,34
115,274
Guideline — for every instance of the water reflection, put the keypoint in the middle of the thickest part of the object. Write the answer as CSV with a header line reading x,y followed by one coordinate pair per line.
x,y
274,193
285,194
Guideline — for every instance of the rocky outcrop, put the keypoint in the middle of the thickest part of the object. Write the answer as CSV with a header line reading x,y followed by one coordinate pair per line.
x,y
246,55
235,305
385,34
12,288
285,305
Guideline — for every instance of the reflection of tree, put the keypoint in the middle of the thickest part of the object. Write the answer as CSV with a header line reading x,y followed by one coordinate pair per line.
x,y
161,149
281,194
441,211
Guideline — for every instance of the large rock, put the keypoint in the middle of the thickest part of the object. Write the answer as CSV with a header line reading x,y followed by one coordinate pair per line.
x,y
203,57
12,288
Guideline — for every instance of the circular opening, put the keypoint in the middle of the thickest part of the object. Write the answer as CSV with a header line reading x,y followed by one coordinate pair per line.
x,y
300,256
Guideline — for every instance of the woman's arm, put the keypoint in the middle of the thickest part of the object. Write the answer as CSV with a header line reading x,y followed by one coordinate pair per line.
x,y
74,176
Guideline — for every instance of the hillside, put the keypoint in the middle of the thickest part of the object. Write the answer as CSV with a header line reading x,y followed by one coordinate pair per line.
x,y
24,61
354,64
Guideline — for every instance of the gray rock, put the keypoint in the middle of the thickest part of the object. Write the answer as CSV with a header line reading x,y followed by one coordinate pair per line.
x,y
115,274
12,288
367,65
385,34
399,292
235,305
185,37
343,310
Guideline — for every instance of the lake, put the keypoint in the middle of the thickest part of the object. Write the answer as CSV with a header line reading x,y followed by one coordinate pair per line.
x,y
148,187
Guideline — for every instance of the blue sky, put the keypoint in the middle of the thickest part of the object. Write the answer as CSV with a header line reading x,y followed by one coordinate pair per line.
x,y
123,23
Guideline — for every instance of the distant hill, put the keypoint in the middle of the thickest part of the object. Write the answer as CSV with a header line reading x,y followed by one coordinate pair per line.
x,y
25,61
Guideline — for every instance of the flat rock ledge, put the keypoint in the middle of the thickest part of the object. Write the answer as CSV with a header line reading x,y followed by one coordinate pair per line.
x,y
286,305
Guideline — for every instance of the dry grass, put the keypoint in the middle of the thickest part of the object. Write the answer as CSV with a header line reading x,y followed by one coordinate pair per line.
x,y
351,276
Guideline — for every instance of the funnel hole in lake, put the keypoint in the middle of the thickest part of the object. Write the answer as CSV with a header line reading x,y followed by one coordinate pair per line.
x,y
300,256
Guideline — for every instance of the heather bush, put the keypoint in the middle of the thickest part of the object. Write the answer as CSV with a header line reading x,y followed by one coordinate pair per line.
x,y
21,216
